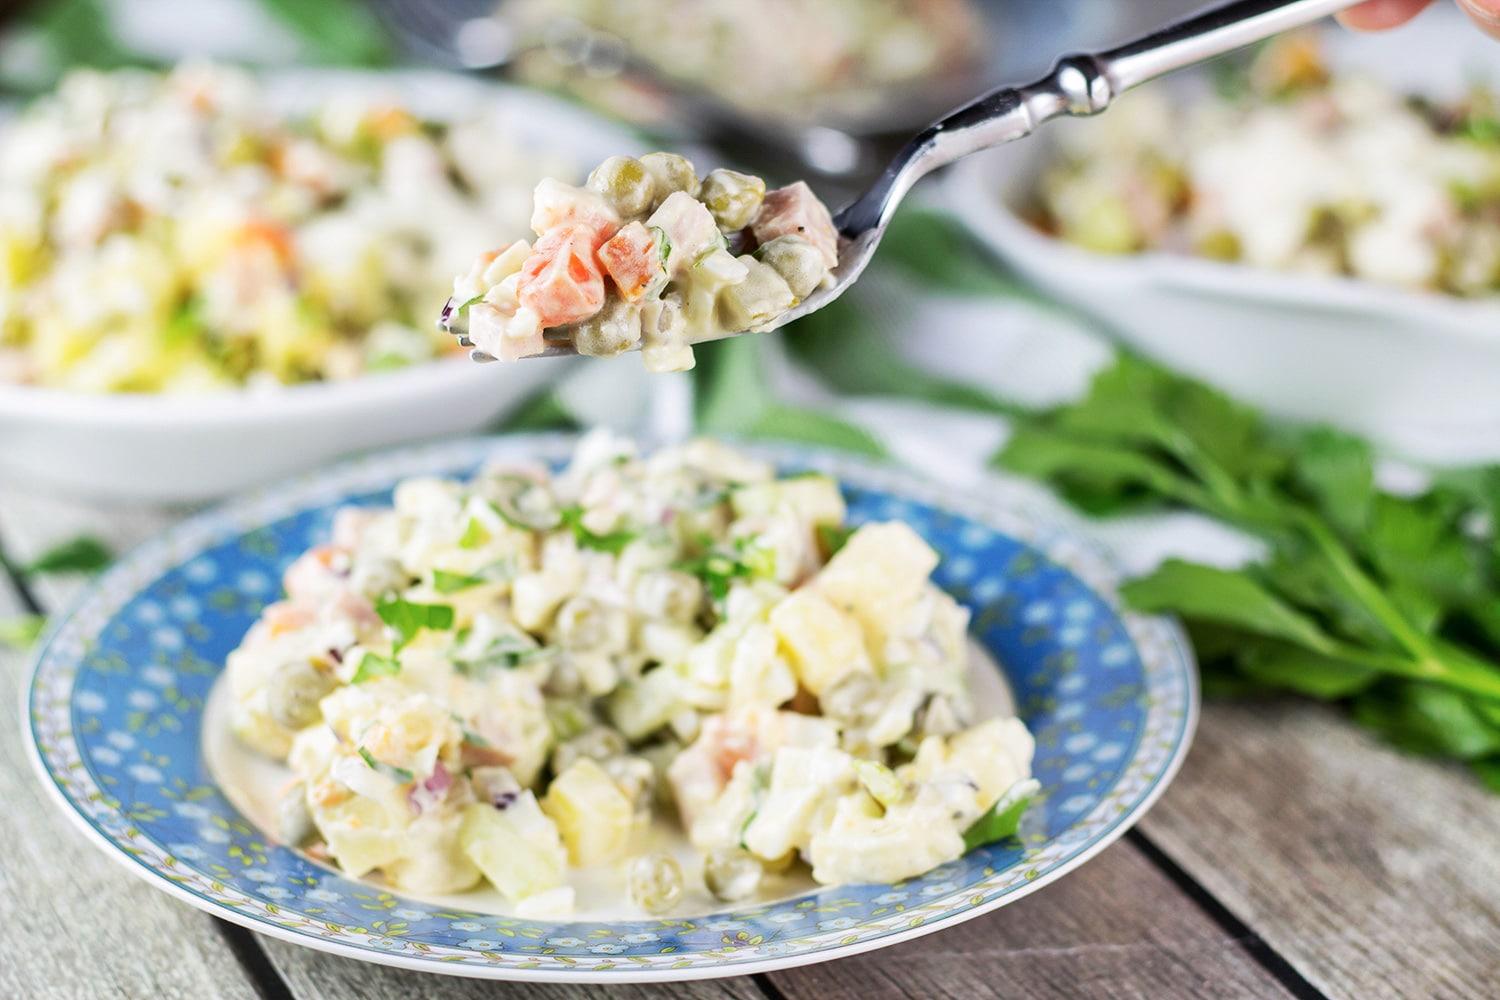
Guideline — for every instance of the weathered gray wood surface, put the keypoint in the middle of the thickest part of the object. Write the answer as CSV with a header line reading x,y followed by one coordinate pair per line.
x,y
73,923
1359,872
1373,873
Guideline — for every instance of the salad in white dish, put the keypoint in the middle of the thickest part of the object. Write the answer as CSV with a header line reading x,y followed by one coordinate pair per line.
x,y
646,255
777,59
1299,170
527,678
180,233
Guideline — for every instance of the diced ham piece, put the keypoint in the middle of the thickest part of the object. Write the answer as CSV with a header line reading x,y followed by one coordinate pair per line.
x,y
632,258
284,616
504,335
561,281
690,228
795,211
557,204
316,573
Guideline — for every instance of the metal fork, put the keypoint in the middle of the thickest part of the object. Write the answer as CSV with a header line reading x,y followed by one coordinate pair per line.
x,y
1079,85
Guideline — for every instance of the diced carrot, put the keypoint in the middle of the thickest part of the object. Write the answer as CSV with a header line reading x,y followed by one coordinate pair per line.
x,y
274,237
632,258
795,211
561,281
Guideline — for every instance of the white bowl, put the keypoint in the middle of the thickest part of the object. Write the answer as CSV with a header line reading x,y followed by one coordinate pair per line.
x,y
1419,374
164,448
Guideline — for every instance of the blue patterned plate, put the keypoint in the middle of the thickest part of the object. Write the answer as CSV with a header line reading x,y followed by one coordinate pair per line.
x,y
117,699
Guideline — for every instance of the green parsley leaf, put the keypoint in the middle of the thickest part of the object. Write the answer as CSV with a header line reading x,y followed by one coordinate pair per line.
x,y
400,775
445,582
505,653
83,554
1003,819
833,537
475,535
663,245
372,665
613,543
407,618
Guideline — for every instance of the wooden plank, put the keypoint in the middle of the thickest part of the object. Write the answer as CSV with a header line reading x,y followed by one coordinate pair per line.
x,y
317,974
72,922
1117,927
1374,874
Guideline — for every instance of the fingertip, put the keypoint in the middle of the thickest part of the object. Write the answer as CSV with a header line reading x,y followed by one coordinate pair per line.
x,y
1379,15
1485,13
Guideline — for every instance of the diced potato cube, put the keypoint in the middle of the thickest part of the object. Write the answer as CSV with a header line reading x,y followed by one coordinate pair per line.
x,y
814,498
517,848
359,835
596,819
881,567
759,298
822,643
862,845
806,784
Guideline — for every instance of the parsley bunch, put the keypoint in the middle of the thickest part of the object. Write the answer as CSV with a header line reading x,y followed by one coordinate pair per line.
x,y
1387,604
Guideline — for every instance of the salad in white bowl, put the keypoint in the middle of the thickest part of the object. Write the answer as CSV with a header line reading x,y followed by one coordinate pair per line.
x,y
1324,247
196,266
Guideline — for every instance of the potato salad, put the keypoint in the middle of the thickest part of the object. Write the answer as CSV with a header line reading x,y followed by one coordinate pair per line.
x,y
1292,169
181,234
647,255
527,675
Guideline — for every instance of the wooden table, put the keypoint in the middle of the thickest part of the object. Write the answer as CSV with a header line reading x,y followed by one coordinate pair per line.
x,y
1293,856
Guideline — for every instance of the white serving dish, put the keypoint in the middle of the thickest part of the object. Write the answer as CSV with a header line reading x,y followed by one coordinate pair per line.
x,y
162,448
1419,374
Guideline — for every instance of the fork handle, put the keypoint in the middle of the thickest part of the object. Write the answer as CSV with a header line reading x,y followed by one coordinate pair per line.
x,y
1078,84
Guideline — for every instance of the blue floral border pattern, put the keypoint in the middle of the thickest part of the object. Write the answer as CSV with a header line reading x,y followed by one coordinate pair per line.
x,y
119,687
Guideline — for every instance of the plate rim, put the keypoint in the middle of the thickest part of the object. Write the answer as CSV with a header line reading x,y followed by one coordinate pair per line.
x,y
308,489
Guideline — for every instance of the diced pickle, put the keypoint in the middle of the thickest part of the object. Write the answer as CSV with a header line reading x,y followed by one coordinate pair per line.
x,y
669,172
293,693
760,298
800,264
733,197
626,184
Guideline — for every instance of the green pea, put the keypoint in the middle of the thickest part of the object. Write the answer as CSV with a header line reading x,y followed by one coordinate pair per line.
x,y
733,198
612,330
669,172
800,264
625,184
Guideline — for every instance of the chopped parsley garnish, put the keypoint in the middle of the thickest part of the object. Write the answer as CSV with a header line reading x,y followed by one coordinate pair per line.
x,y
407,618
465,306
505,653
372,665
475,535
833,537
663,245
498,571
400,775
1003,818
614,543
